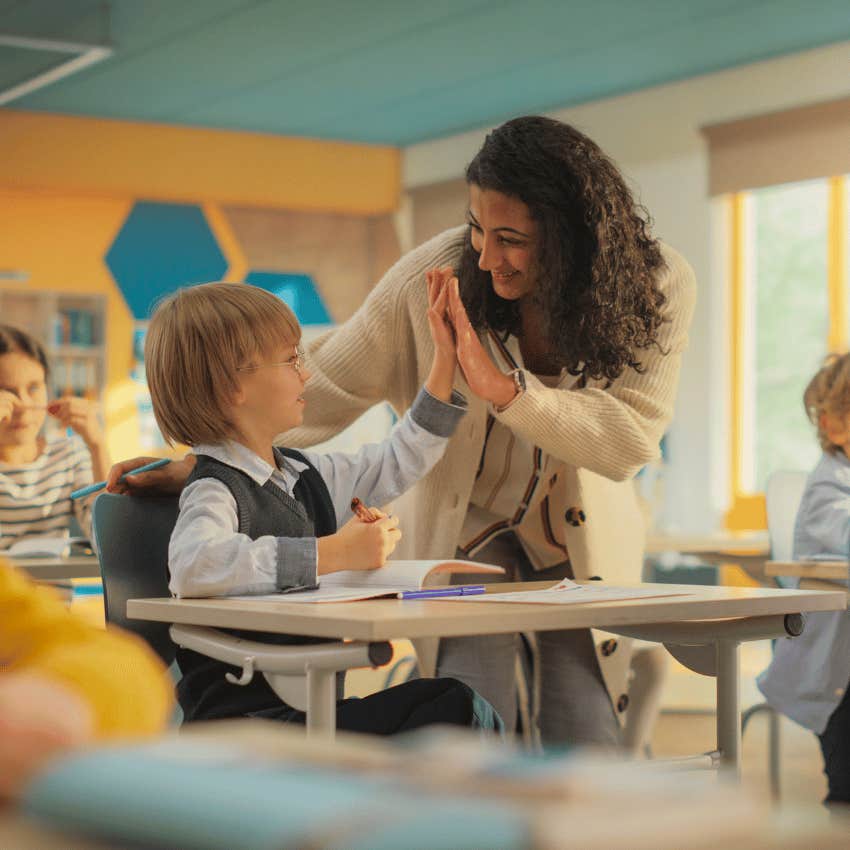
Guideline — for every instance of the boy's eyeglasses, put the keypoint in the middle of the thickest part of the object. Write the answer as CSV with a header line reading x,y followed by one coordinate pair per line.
x,y
296,362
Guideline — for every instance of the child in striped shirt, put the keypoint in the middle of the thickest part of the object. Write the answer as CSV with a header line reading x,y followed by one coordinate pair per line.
x,y
37,476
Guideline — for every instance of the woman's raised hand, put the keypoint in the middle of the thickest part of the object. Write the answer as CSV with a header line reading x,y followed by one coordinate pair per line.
x,y
485,379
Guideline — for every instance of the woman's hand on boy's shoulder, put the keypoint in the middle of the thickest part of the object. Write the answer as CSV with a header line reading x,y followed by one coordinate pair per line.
x,y
167,480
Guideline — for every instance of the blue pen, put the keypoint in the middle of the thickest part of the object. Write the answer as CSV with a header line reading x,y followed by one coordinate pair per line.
x,y
93,488
437,592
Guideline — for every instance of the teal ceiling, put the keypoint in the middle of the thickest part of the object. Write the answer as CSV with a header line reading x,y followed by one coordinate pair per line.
x,y
392,71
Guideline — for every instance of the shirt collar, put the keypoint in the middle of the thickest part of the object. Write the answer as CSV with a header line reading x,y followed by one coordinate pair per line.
x,y
242,458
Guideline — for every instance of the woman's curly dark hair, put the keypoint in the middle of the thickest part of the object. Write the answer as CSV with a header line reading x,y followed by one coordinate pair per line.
x,y
596,263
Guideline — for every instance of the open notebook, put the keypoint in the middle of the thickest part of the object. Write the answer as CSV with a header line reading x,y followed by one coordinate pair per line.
x,y
389,580
43,546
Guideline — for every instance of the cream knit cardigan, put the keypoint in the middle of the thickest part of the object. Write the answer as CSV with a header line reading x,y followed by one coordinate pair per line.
x,y
604,436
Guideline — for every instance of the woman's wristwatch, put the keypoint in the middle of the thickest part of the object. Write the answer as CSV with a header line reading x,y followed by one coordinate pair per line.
x,y
519,384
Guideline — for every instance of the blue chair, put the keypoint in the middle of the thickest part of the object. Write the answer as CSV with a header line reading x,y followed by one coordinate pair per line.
x,y
131,537
131,540
783,492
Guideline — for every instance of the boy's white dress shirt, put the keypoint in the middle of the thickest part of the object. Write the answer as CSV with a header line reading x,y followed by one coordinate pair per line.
x,y
207,555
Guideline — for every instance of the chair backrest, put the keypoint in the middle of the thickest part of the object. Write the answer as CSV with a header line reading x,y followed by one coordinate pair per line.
x,y
131,537
783,491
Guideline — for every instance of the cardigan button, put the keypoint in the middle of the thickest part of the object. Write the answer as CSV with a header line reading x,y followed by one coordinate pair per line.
x,y
608,647
622,703
575,516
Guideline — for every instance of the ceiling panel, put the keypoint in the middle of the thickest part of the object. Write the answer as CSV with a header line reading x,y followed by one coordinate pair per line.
x,y
395,71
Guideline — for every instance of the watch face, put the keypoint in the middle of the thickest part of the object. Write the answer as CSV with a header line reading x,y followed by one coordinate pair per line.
x,y
519,379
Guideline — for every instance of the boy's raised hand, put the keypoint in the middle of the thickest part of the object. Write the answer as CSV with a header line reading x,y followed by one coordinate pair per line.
x,y
441,377
359,545
439,320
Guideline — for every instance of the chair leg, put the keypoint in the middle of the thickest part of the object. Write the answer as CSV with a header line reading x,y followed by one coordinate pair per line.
x,y
774,719
774,751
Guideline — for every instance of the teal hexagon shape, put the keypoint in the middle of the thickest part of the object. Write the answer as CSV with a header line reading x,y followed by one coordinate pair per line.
x,y
160,248
298,291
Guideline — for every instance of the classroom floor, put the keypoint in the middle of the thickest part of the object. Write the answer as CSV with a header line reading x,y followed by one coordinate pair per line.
x,y
802,782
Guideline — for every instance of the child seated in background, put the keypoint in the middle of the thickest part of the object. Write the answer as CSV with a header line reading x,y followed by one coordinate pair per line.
x,y
37,476
65,683
227,377
809,677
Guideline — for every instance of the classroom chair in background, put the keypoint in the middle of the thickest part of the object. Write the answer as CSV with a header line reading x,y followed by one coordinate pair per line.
x,y
783,491
131,537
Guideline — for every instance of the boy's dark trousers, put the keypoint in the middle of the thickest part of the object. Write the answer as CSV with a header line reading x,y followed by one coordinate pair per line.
x,y
205,694
835,746
398,709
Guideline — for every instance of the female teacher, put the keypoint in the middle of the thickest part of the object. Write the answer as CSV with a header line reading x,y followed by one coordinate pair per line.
x,y
570,321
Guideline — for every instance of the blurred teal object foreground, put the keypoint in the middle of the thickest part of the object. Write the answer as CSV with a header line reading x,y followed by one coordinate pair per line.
x,y
200,797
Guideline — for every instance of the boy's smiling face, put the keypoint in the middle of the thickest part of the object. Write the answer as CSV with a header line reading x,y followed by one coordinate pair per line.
x,y
271,394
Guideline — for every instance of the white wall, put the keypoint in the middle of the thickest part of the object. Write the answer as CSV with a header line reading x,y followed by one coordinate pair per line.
x,y
654,135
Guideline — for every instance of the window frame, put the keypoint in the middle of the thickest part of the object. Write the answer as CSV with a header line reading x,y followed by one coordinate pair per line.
x,y
747,509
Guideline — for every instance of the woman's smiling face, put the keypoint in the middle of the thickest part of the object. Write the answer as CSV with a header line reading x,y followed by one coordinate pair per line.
x,y
503,234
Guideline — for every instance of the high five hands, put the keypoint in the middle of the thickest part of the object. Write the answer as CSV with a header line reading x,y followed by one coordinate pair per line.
x,y
453,332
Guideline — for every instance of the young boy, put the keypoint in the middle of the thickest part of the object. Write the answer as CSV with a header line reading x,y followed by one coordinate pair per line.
x,y
226,377
809,677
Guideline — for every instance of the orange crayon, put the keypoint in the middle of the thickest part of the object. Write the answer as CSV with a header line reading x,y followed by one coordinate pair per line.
x,y
362,511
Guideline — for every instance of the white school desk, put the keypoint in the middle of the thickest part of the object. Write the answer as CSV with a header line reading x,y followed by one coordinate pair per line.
x,y
53,569
748,549
703,627
819,570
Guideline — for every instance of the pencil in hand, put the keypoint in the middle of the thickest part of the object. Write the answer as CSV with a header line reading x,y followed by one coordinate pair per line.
x,y
363,513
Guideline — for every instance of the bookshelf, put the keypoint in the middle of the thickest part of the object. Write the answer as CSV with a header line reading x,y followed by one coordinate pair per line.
x,y
71,326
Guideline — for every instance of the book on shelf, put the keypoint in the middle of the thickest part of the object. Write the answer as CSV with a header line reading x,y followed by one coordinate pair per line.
x,y
393,578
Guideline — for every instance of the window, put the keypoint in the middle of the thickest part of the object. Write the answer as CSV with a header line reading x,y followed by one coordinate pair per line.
x,y
789,279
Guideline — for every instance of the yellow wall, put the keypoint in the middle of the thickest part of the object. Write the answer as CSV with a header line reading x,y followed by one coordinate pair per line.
x,y
186,164
67,185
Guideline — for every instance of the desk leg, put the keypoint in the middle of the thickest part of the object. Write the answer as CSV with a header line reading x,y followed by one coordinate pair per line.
x,y
729,705
321,702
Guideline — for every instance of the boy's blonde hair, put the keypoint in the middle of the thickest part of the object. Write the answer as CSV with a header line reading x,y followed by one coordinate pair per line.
x,y
197,339
829,392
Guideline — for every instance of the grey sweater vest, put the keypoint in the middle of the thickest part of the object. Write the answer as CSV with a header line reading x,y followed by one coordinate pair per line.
x,y
203,692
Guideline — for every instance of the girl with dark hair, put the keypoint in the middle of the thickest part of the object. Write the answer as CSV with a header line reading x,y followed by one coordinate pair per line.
x,y
37,476
570,321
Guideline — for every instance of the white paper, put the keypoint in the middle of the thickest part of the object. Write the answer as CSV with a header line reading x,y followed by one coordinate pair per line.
x,y
41,546
571,596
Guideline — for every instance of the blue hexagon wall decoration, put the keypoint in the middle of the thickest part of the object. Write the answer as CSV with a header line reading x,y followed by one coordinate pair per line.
x,y
159,248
